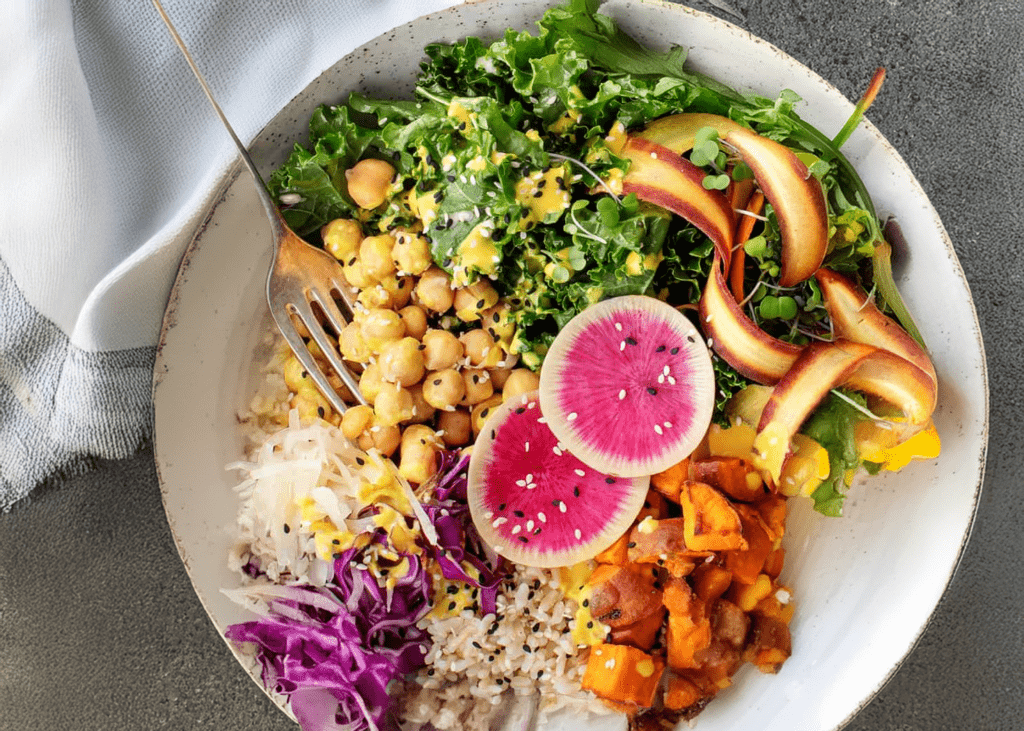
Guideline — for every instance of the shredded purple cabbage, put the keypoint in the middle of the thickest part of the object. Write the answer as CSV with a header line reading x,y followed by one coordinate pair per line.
x,y
334,650
458,540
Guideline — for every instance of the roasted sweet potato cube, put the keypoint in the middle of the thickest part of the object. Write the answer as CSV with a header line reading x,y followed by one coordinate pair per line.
x,y
773,511
729,623
615,554
677,596
623,674
662,542
655,506
711,522
669,482
770,643
619,596
734,476
681,693
773,564
746,596
710,581
746,565
642,634
685,638
718,662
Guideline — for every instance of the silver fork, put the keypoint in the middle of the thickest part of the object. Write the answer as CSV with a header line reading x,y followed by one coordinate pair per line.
x,y
300,276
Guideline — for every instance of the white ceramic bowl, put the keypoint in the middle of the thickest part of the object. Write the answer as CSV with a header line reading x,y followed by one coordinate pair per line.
x,y
865,584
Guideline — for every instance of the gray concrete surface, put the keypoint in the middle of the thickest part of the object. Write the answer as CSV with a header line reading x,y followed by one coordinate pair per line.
x,y
99,628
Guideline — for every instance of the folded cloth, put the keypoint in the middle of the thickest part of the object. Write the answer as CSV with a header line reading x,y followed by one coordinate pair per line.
x,y
110,155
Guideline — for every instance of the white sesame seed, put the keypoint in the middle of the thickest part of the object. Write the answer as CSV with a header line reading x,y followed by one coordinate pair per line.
x,y
622,394
572,416
498,522
667,424
516,530
488,515
666,370
557,451
657,428
580,472
531,405
622,345
561,507
521,483
711,342
672,380
578,533
529,525
529,477
661,378
618,326
542,420
542,518
526,447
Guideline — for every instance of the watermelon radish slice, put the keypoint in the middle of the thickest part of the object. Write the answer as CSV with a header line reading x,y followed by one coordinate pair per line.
x,y
628,386
535,503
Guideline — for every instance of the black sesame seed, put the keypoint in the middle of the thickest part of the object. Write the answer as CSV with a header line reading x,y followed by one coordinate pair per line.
x,y
336,555
480,304
576,491
508,218
690,338
536,627
452,589
542,183
540,674
524,539
490,658
438,197
631,341
431,671
502,506
499,681
674,351
536,532
631,544
586,602
660,349
477,645
526,648
610,480
590,625
556,502
360,461
287,528
451,606
536,584
521,410
531,595
538,194
336,541
320,411
493,434
518,513
652,390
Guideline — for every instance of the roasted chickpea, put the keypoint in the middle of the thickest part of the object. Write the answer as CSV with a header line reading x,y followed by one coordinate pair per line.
x,y
441,350
478,386
352,344
415,319
371,382
455,427
401,361
355,274
392,406
418,462
380,326
444,389
473,300
481,349
295,376
386,438
373,297
499,322
311,404
520,381
483,410
368,182
375,254
501,372
356,420
421,410
400,290
342,237
434,290
411,253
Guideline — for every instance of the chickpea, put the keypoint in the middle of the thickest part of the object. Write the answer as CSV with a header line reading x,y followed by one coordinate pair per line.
x,y
520,381
471,301
375,254
374,297
434,290
501,372
380,326
356,420
481,349
483,410
355,274
455,427
383,438
311,404
371,382
478,386
401,361
419,454
399,289
352,344
411,253
421,410
368,182
295,376
392,406
444,389
499,322
441,350
415,319
342,237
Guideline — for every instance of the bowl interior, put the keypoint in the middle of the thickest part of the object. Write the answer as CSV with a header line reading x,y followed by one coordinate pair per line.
x,y
865,584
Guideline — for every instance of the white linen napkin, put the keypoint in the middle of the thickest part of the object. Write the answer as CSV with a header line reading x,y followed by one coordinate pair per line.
x,y
109,154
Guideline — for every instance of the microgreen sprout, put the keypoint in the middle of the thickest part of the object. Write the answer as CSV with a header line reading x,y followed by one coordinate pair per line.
x,y
594,175
881,420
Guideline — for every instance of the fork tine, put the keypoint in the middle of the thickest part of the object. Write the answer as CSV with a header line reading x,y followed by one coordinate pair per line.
x,y
309,364
305,313
330,309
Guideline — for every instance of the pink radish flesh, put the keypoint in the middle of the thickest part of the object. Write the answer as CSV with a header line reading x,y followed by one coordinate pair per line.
x,y
537,504
628,386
